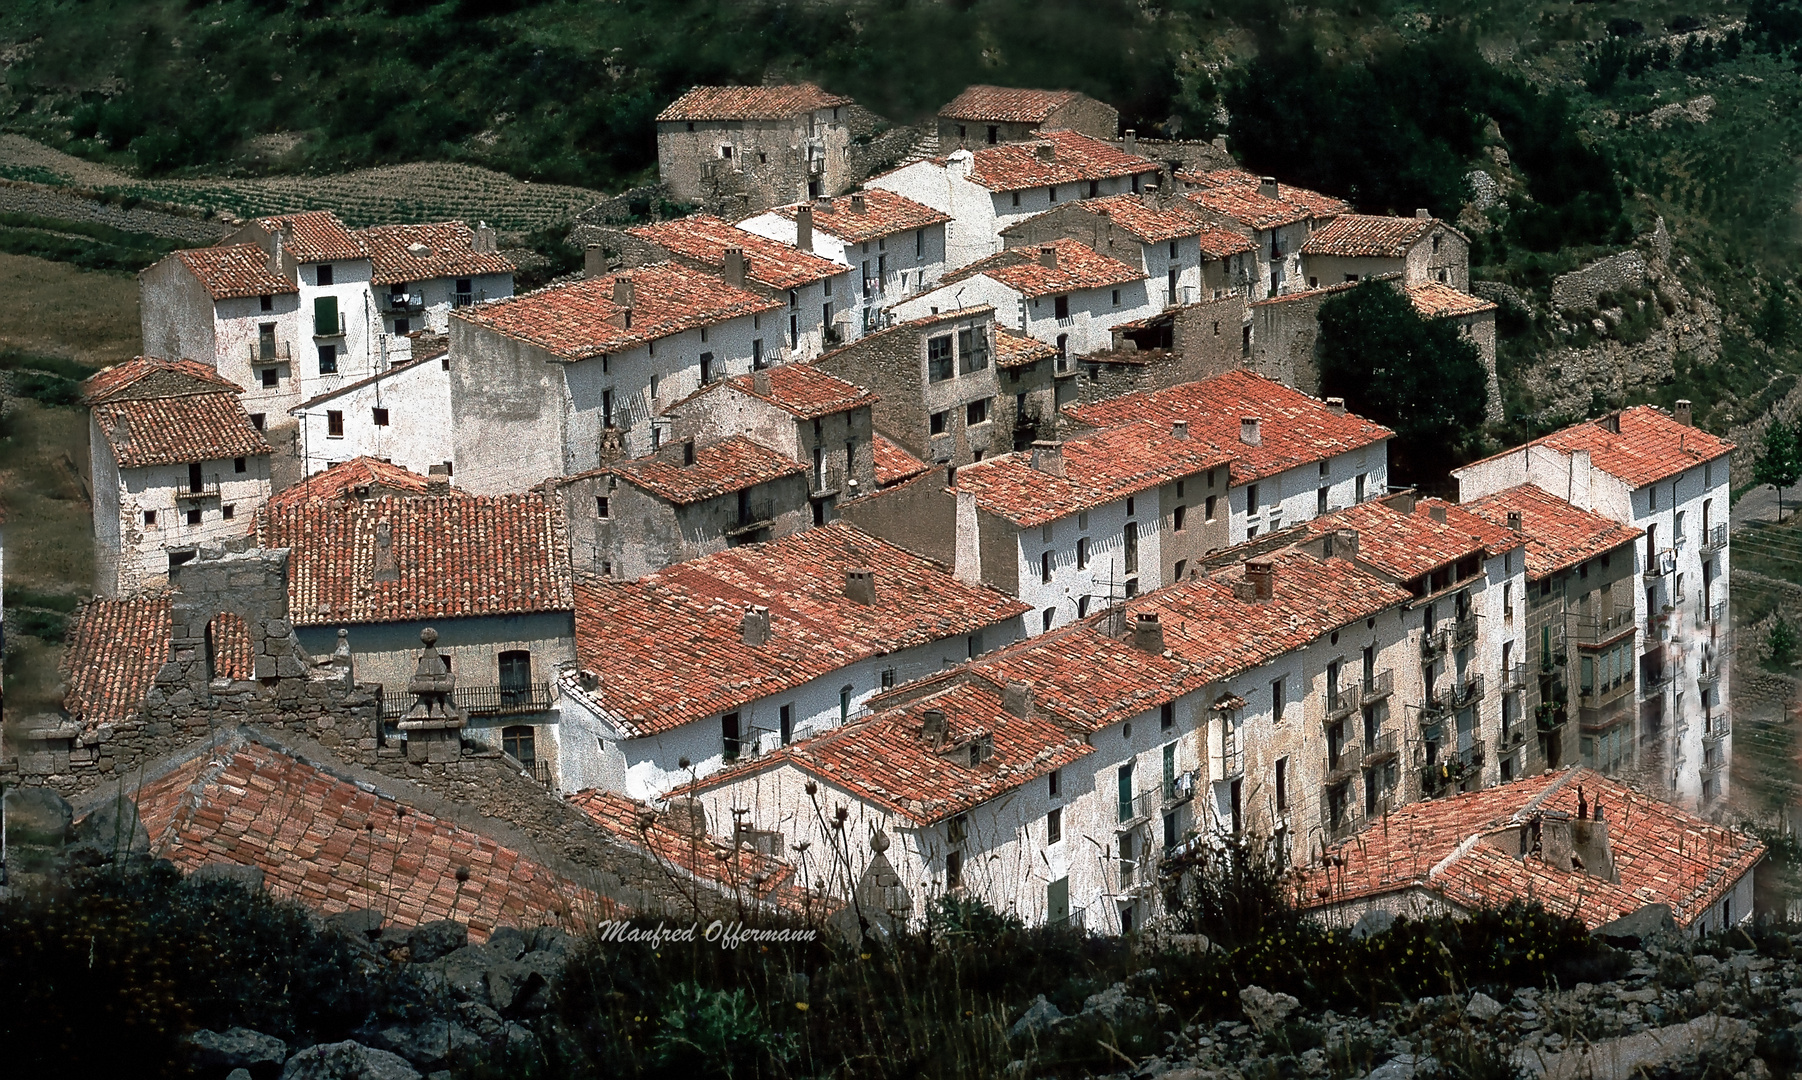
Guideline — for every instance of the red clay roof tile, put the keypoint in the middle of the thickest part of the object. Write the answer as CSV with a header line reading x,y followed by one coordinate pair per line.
x,y
1558,535
1014,350
115,649
806,391
359,477
749,102
1650,446
178,430
448,251
1108,465
1152,223
1438,301
1403,544
893,464
150,377
1236,194
1367,235
705,239
1007,105
1074,157
1078,267
316,236
234,270
884,213
719,468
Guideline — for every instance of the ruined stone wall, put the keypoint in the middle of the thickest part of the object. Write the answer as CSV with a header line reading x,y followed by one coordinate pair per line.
x,y
1579,289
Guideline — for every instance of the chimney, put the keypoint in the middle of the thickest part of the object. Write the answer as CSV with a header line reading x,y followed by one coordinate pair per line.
x,y
483,242
1684,413
1179,429
1048,256
1590,850
1148,196
1342,543
1422,215
860,585
1148,632
1244,592
1248,431
1336,406
1132,141
1267,187
804,227
1262,575
1220,143
1046,152
755,626
594,261
1016,698
1437,513
1514,520
858,203
934,727
736,267
623,293
1048,458
437,481
760,382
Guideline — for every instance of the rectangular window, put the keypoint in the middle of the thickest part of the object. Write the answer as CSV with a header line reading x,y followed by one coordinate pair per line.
x,y
888,678
1130,548
1177,573
757,361
265,302
1282,784
786,720
271,378
1179,518
403,327
334,424
607,408
194,517
1359,495
380,416
1046,618
228,511
1208,509
919,243
325,316
256,420
1045,567
1054,782
1116,298
973,349
1054,825
240,465
322,274
844,704
150,517
1169,767
1320,501
938,358
938,423
977,412
729,735
1166,716
1061,307
603,507
328,360
1251,498
706,368
1276,700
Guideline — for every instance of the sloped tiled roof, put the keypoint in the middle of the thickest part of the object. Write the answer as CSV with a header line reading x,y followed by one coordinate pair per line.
x,y
893,464
115,649
1078,267
1150,223
720,468
749,102
357,478
1013,350
580,320
1074,157
1404,544
1662,855
1557,535
232,657
801,390
1007,105
1367,235
178,430
232,270
1295,429
884,213
448,251
1650,446
394,559
705,238
1108,465
1438,301
1236,194
316,236
152,377
334,845
669,648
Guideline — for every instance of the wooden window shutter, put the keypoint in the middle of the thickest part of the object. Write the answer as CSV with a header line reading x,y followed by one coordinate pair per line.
x,y
325,315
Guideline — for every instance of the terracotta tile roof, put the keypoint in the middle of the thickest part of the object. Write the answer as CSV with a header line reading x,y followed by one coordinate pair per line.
x,y
1404,544
1235,193
1006,104
393,559
178,430
232,657
1437,301
1306,294
669,648
1558,535
1495,537
805,391
1222,244
1014,350
887,759
893,464
1078,267
884,214
1095,680
235,270
741,870
410,253
1151,224
705,239
1108,465
360,477
316,236
115,649
1663,855
580,320
1367,235
1074,157
152,377
334,845
732,464
1295,429
1650,446
749,102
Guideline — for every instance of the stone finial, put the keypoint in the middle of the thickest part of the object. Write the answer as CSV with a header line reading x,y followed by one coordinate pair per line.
x,y
433,723
879,841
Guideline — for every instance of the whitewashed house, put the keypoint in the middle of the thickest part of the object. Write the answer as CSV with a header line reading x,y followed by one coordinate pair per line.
x,y
1276,217
1062,293
401,415
895,246
738,652
423,272
990,188
176,463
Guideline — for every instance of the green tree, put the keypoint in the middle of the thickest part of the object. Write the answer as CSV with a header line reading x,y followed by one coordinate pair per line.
x,y
1771,324
1782,641
1779,462
1421,377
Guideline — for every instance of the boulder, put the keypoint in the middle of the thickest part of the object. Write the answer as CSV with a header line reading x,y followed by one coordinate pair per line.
x,y
508,942
347,1060
1633,931
1041,1015
1399,1067
552,940
238,1074
356,923
112,830
1371,923
511,984
1114,1005
1266,1010
236,1048
522,1043
429,1044
37,816
249,878
1483,1008
1717,1045
432,940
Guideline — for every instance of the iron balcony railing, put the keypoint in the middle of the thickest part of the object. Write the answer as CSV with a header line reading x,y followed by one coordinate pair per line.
x,y
1471,757
1653,681
198,494
1343,765
1716,725
1138,808
401,303
477,700
1380,685
462,299
270,352
1383,747
1595,631
1181,788
1514,678
1341,701
1434,644
1468,690
1714,539
1513,735
1464,630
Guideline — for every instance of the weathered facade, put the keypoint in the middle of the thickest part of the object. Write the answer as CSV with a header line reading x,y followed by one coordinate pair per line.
x,y
1416,250
401,415
753,147
988,115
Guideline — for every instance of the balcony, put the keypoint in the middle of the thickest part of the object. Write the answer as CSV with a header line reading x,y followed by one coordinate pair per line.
x,y
1468,691
270,351
1596,697
1659,565
1464,630
401,303
1471,757
1654,680
1514,678
462,299
1229,764
1342,766
1434,644
1137,810
1709,675
477,700
1658,629
198,494
1716,726
1181,788
1513,735
1340,703
1714,539
1384,747
1604,628
1380,685
1551,716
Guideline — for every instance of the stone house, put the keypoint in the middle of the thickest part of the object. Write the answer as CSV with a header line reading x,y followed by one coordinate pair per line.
x,y
687,499
1177,345
816,419
1076,527
1295,457
819,294
423,272
360,478
1185,257
1654,471
1576,614
783,639
1417,250
755,146
992,187
175,461
372,573
561,380
401,415
1276,217
1061,292
895,246
987,115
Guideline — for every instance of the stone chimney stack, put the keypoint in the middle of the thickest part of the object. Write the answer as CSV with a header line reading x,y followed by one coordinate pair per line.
x,y
1048,457
934,727
1132,141
1048,256
1046,151
594,261
760,382
1148,632
737,266
1148,195
1016,698
1248,431
1336,406
484,242
1342,543
859,204
1684,413
860,585
1267,187
1437,513
1421,214
623,293
804,227
1262,575
755,626
1514,521
1179,429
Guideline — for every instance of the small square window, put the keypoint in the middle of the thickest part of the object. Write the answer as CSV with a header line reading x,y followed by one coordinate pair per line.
x,y
266,302
323,275
240,465
380,416
150,518
228,511
194,517
939,423
328,360
602,506
271,378
256,420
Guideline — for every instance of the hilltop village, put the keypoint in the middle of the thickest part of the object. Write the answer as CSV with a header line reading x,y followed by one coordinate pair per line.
x,y
969,526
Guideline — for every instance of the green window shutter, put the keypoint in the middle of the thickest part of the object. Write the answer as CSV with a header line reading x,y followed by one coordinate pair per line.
x,y
325,315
